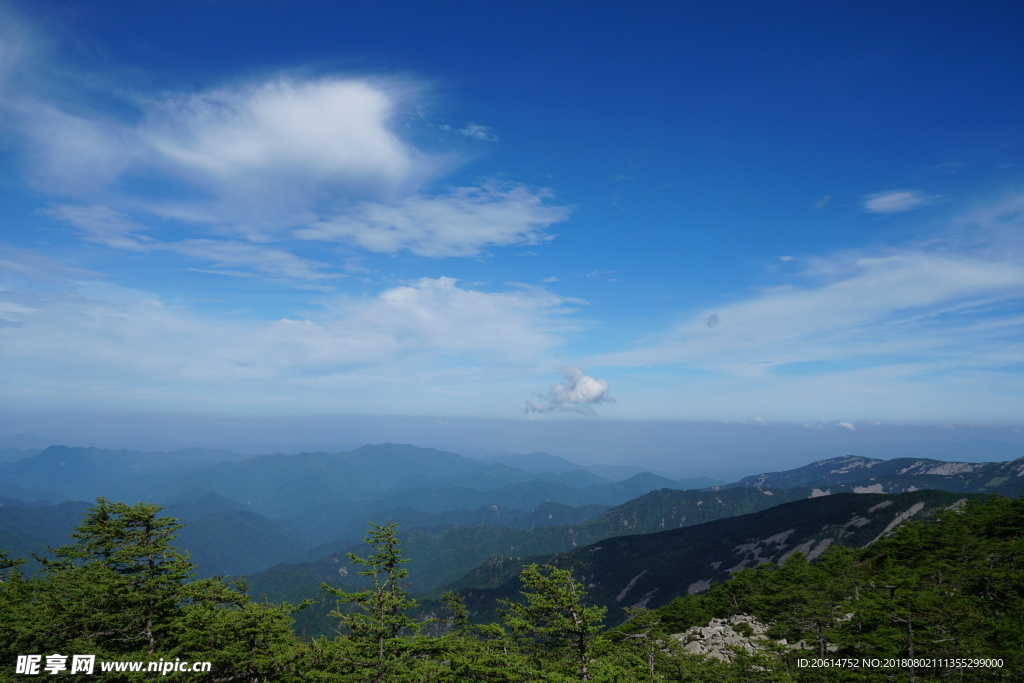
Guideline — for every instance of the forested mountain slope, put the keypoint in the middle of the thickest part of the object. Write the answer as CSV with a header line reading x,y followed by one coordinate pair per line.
x,y
444,553
652,569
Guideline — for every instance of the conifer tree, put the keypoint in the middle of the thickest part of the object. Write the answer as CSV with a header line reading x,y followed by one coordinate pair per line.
x,y
380,614
118,588
244,640
554,621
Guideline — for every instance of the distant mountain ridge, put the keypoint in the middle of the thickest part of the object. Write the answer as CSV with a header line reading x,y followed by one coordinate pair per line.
x,y
540,461
331,495
73,472
869,475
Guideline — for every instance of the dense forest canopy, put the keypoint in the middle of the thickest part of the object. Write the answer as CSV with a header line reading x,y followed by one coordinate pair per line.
x,y
934,601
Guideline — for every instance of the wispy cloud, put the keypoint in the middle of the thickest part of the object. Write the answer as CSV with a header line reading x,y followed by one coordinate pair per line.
x,y
478,132
857,305
270,161
897,201
103,225
576,393
111,342
907,331
258,258
462,222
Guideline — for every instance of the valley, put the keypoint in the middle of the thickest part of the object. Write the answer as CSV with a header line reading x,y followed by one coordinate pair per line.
x,y
287,523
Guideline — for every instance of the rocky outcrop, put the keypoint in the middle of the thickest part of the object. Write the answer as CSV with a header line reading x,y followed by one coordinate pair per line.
x,y
720,636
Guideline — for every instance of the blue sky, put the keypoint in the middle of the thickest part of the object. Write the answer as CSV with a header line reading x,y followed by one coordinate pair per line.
x,y
724,212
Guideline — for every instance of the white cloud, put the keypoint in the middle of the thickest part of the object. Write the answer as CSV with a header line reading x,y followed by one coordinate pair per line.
x,y
462,222
266,161
435,313
847,425
276,145
300,133
896,201
577,393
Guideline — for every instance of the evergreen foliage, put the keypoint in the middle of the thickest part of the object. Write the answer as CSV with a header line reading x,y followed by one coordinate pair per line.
x,y
553,620
947,589
373,646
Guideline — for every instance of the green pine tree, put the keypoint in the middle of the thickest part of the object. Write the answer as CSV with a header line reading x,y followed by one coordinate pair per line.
x,y
373,619
243,640
118,588
553,622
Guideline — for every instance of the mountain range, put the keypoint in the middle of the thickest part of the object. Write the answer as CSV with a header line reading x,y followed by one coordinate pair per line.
x,y
288,521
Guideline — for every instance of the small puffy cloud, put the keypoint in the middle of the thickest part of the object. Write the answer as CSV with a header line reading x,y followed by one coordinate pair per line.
x,y
847,425
896,201
576,393
823,202
463,222
786,259
761,421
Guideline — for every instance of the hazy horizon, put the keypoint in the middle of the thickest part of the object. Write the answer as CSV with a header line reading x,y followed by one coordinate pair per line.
x,y
726,451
